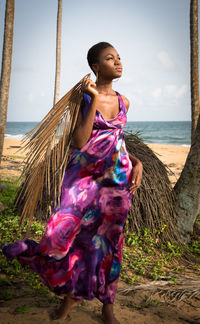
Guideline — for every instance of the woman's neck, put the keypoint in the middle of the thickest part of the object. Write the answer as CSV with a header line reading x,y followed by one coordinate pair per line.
x,y
104,87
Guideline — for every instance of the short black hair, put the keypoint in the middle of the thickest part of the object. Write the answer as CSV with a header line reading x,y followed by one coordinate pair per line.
x,y
94,51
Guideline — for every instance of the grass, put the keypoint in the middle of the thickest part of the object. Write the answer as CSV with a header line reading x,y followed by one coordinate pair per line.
x,y
22,309
147,302
9,232
9,189
145,257
16,157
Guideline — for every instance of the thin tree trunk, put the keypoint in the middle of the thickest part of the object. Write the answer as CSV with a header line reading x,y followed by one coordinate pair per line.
x,y
187,189
6,68
58,53
194,54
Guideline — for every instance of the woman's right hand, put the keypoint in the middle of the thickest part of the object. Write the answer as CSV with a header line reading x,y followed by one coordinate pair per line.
x,y
89,87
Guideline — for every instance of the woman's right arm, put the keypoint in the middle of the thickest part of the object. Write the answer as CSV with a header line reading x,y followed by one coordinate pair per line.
x,y
83,129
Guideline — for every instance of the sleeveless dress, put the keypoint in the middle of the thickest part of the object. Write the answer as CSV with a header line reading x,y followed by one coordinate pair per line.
x,y
81,250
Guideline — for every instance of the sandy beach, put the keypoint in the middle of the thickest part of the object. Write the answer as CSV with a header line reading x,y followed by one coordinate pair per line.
x,y
173,156
11,163
11,147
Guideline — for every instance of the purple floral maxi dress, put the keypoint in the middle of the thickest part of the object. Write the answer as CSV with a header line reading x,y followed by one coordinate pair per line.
x,y
81,250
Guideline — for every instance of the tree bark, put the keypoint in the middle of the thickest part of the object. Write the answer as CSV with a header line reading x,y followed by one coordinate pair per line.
x,y
58,53
6,68
187,190
194,55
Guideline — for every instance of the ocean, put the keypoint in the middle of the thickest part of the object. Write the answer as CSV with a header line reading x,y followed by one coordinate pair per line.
x,y
162,132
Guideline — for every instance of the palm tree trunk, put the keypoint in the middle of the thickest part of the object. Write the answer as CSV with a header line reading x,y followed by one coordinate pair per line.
x,y
58,53
6,68
187,188
194,65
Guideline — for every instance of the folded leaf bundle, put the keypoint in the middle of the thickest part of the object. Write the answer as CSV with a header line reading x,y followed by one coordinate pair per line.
x,y
48,146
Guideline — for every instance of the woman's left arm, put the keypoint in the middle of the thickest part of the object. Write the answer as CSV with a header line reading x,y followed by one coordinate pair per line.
x,y
137,173
137,164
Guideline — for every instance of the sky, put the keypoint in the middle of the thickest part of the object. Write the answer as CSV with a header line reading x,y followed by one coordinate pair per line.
x,y
152,38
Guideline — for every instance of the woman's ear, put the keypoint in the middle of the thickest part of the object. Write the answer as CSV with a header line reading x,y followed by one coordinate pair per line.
x,y
95,68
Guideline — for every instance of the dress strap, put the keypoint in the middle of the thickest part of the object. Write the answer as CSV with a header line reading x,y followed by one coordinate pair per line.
x,y
122,104
86,103
87,100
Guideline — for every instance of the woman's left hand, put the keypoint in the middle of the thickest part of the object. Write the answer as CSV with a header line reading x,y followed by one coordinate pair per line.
x,y
137,177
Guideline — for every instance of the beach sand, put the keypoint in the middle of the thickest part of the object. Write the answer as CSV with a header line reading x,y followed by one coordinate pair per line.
x,y
11,162
128,309
11,147
173,156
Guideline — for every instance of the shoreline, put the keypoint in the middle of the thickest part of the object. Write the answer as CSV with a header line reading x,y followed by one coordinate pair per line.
x,y
10,144
17,138
168,144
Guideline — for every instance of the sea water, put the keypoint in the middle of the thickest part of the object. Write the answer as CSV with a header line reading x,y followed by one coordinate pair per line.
x,y
163,132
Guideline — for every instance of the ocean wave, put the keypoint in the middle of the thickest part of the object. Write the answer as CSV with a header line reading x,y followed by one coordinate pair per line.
x,y
12,136
166,143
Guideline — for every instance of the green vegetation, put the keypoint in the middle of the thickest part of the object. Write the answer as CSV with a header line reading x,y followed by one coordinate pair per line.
x,y
146,303
7,195
145,256
9,232
15,157
21,310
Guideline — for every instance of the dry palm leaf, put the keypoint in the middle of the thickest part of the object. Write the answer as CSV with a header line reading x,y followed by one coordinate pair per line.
x,y
186,287
49,150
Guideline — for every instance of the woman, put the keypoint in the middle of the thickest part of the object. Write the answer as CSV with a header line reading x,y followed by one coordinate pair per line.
x,y
80,253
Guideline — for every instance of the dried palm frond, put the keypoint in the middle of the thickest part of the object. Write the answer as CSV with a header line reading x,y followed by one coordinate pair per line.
x,y
152,205
48,146
186,287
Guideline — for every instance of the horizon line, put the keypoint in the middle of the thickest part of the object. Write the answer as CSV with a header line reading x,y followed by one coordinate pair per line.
x,y
128,121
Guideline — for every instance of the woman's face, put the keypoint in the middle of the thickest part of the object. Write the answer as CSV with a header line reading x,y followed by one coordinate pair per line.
x,y
109,66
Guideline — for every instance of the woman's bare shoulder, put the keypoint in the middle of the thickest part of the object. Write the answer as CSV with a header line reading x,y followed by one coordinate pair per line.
x,y
126,101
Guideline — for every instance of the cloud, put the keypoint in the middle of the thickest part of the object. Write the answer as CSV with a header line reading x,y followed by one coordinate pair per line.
x,y
170,89
181,91
164,58
169,95
156,92
174,90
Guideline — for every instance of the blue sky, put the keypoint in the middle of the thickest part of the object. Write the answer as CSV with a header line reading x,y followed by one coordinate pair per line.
x,y
151,36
